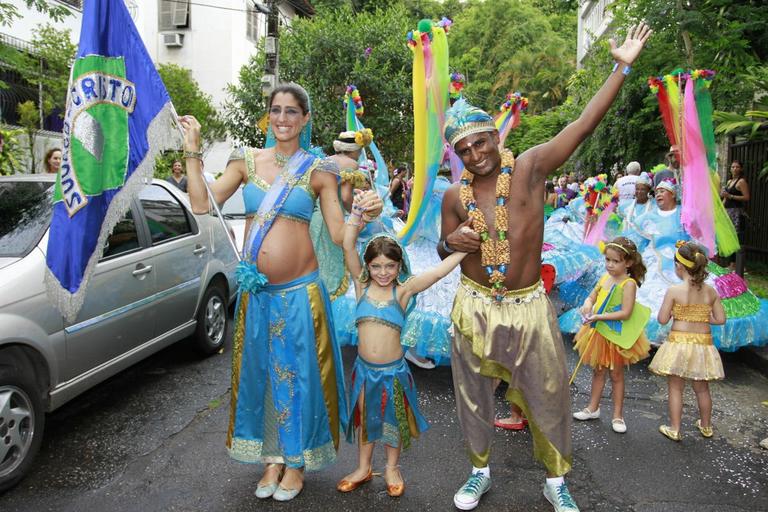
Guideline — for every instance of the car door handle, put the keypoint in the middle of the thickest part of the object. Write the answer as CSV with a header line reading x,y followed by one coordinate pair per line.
x,y
199,249
142,270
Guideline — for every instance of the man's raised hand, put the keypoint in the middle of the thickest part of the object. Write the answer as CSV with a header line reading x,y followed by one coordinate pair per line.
x,y
633,44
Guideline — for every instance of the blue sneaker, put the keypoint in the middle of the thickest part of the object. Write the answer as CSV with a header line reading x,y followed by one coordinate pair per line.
x,y
470,493
560,498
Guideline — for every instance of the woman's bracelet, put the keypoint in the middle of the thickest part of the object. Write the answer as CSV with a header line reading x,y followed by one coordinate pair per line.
x,y
194,154
348,223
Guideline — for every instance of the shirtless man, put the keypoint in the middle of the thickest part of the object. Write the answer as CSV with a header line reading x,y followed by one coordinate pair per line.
x,y
504,324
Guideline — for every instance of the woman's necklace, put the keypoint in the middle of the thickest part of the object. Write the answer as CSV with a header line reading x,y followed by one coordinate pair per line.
x,y
494,254
281,159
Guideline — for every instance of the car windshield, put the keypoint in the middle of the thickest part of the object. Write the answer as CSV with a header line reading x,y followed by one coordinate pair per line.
x,y
234,207
25,212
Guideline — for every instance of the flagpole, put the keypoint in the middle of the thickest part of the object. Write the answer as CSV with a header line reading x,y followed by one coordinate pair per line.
x,y
211,198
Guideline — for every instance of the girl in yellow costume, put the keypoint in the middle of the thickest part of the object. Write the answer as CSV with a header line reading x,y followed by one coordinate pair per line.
x,y
612,335
688,353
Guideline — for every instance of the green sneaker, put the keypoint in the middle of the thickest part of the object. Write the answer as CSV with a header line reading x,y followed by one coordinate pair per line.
x,y
560,498
470,493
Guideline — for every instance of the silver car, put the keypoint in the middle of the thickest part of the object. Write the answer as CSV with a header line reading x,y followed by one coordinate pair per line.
x,y
165,275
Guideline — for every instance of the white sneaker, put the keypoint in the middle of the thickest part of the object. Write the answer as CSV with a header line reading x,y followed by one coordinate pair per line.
x,y
618,425
586,414
427,364
473,489
560,498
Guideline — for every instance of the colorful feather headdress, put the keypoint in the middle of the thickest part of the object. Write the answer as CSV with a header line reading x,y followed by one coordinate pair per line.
x,y
509,114
686,111
353,103
430,100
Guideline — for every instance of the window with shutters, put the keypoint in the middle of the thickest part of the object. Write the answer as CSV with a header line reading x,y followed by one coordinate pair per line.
x,y
173,14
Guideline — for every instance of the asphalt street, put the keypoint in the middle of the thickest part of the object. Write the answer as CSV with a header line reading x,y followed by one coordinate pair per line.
x,y
152,439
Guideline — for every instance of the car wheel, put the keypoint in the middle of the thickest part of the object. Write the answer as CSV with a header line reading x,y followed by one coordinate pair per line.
x,y
21,424
212,321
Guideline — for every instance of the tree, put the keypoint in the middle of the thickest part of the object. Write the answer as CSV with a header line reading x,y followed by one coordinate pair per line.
x,y
518,51
10,12
12,153
724,35
188,98
48,65
327,53
28,118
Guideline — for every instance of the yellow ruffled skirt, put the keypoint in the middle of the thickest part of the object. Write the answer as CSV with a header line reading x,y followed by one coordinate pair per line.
x,y
688,355
598,352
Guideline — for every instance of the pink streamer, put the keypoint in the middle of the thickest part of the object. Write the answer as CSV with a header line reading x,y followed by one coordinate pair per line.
x,y
598,230
697,212
546,247
457,166
730,285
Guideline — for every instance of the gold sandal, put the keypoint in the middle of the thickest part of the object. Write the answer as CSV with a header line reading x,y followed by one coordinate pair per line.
x,y
705,431
674,435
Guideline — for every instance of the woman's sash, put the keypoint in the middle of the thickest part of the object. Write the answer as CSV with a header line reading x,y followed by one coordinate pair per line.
x,y
247,274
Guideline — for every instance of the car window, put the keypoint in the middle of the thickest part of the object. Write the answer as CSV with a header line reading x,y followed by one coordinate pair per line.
x,y
25,213
234,207
166,217
124,238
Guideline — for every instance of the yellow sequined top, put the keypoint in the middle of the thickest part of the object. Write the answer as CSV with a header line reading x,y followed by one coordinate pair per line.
x,y
699,313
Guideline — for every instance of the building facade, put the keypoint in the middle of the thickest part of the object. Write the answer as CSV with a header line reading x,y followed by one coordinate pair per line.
x,y
593,21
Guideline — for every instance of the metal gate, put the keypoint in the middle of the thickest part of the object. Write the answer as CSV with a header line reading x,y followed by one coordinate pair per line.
x,y
753,155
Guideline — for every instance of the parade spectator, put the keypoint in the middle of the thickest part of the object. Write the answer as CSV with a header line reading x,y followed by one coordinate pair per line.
x,y
673,167
564,194
735,197
52,160
573,184
284,336
397,188
626,184
177,177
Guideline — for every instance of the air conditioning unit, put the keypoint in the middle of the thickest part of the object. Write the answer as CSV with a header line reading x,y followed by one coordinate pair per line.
x,y
173,40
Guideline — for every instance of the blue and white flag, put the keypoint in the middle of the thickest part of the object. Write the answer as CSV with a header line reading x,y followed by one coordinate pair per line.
x,y
118,117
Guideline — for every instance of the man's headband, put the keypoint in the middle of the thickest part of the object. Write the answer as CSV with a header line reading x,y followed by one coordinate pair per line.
x,y
667,185
463,119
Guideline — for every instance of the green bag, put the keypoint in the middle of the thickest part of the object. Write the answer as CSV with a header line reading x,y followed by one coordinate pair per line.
x,y
628,330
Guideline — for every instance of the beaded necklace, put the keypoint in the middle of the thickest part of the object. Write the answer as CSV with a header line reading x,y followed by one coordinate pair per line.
x,y
494,254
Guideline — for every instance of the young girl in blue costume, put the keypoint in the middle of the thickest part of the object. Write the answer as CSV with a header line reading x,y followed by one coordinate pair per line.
x,y
689,353
612,335
383,396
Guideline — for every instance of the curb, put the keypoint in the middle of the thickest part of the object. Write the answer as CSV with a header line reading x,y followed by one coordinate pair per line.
x,y
755,357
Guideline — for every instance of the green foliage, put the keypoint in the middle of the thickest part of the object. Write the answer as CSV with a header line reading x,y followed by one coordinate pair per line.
x,y
246,104
12,154
10,12
189,99
164,163
327,53
724,35
29,117
511,45
48,64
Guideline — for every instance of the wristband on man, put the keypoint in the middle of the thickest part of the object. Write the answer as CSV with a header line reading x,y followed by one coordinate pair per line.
x,y
447,249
